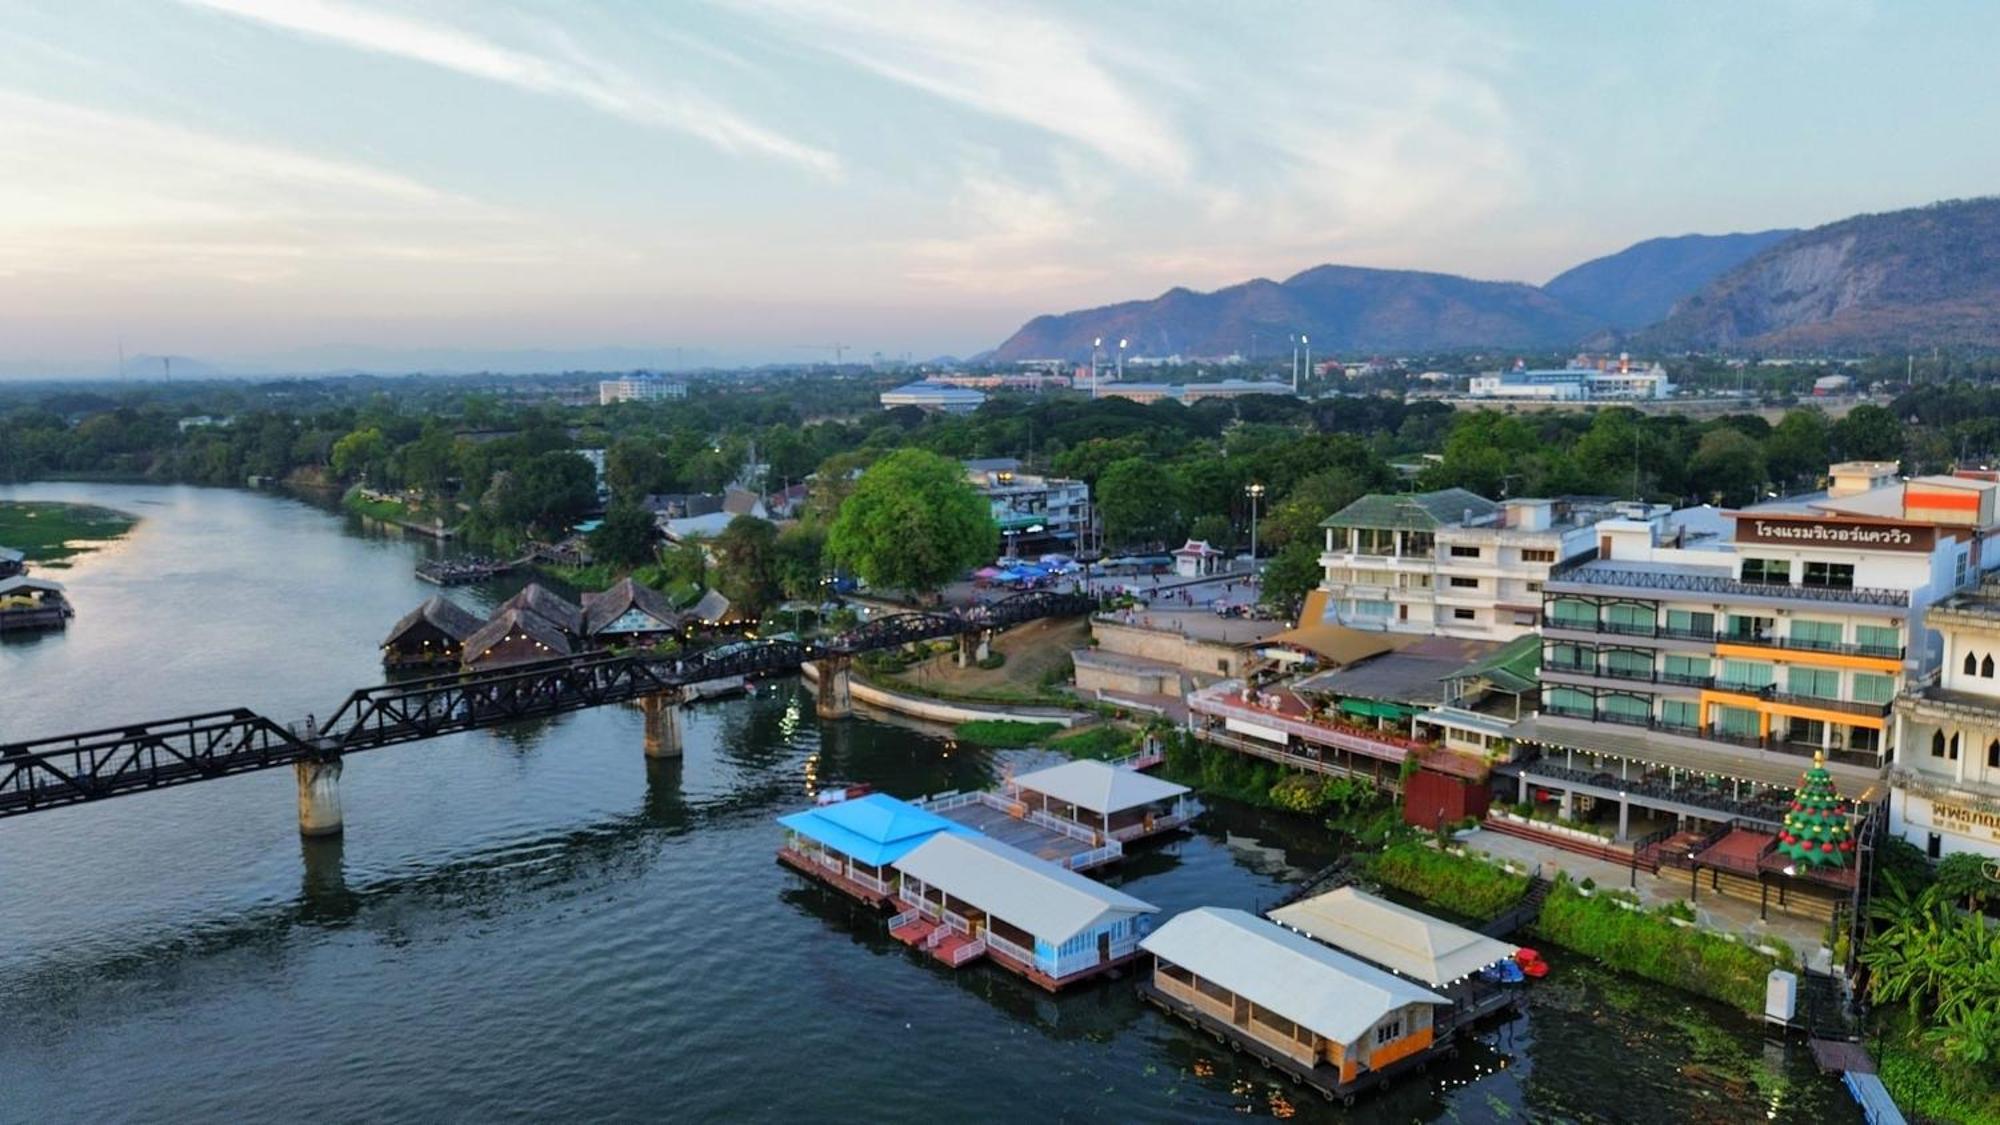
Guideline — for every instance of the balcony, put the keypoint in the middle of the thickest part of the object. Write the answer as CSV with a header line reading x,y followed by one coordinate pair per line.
x,y
1863,759
1726,637
1563,579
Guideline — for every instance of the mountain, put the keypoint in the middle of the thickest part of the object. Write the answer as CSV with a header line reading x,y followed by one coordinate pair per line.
x,y
1342,308
1872,283
1640,284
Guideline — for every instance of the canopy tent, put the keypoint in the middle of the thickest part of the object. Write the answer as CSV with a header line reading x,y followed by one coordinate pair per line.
x,y
1376,709
1395,937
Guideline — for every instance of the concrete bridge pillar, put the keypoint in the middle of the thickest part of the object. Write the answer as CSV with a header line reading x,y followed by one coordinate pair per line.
x,y
835,700
984,648
663,724
965,650
319,797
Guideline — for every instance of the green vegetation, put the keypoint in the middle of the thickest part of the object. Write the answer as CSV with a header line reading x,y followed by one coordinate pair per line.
x,y
52,533
1104,742
393,511
1924,1085
1005,732
1459,883
1934,971
1649,945
913,523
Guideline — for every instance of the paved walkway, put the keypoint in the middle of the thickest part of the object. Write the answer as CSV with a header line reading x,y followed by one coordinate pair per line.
x,y
1711,910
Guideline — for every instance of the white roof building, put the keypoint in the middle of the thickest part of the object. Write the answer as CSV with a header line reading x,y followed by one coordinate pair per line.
x,y
1320,989
1050,902
1100,787
1395,937
933,396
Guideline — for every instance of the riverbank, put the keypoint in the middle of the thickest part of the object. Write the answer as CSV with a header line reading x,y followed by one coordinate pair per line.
x,y
52,533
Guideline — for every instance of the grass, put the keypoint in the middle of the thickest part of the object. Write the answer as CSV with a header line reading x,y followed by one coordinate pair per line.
x,y
1932,1088
1458,883
1004,732
1103,742
51,533
1646,944
389,510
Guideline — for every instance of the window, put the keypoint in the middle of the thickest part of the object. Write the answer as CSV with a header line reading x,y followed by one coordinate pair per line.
x,y
1680,713
1871,687
1971,664
1747,674
1458,583
1739,721
1374,541
1835,576
1963,571
1418,544
1986,667
1686,669
1625,663
1937,744
1631,708
1879,638
1462,615
1951,748
1534,587
1809,732
1749,628
1459,552
1993,755
1572,658
1688,623
1569,701
1821,683
1537,554
1372,609
1387,1032
1816,634
1767,571
1624,617
1573,613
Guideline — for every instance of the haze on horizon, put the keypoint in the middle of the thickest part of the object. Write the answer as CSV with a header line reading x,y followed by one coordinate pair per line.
x,y
306,184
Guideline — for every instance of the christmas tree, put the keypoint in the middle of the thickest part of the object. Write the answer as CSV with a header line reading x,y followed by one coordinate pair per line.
x,y
1816,830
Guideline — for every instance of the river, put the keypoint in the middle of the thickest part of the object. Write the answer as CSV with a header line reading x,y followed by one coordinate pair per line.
x,y
539,923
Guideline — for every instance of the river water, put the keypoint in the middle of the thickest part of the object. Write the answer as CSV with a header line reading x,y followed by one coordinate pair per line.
x,y
541,924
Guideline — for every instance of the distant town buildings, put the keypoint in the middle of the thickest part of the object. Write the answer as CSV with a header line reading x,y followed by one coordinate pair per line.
x,y
1036,513
934,395
1584,380
1191,392
639,387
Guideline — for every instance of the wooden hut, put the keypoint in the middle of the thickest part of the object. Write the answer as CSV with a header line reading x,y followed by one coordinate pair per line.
x,y
433,633
849,844
969,895
514,636
1325,1018
629,613
551,607
1114,802
30,604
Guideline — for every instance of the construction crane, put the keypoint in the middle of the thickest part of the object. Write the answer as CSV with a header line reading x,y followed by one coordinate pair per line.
x,y
839,350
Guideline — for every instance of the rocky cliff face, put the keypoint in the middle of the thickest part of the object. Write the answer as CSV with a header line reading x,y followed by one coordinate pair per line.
x,y
1640,284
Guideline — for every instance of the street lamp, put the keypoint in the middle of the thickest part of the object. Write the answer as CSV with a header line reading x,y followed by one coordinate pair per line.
x,y
1122,345
1255,492
1307,341
1096,349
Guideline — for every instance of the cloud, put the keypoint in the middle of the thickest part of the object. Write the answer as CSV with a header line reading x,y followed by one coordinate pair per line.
x,y
1015,65
580,79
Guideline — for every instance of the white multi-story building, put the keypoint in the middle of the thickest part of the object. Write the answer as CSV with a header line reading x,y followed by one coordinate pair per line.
x,y
1449,563
1574,384
1946,795
1036,513
640,387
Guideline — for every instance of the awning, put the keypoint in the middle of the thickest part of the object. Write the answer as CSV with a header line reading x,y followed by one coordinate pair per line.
x,y
1334,643
1375,709
1514,669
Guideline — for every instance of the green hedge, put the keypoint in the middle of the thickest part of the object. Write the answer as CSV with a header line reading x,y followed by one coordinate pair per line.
x,y
1103,742
1647,944
1458,883
1004,732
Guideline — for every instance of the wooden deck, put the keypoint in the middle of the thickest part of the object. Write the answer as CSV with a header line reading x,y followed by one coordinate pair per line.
x,y
1022,833
835,879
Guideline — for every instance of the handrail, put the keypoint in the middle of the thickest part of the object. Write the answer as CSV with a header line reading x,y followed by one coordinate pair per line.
x,y
1726,637
1596,575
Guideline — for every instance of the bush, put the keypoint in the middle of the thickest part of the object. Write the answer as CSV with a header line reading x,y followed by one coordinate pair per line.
x,y
1648,945
1103,742
1299,792
992,660
1004,732
1458,883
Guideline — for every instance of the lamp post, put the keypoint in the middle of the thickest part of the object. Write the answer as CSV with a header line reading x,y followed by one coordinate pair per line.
x,y
1295,363
1096,350
1255,492
1307,341
1122,344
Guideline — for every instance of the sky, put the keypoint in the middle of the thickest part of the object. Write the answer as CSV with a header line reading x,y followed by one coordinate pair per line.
x,y
310,184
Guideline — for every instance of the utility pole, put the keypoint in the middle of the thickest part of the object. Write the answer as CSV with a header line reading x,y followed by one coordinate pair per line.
x,y
1253,491
1122,344
1295,363
1307,341
1096,349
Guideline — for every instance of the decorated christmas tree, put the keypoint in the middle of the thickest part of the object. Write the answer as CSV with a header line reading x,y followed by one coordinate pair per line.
x,y
1816,831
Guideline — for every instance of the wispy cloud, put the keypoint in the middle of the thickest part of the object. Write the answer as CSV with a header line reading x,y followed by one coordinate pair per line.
x,y
587,81
1016,65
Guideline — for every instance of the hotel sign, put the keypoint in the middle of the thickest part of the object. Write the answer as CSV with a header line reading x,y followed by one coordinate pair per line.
x,y
1835,533
1965,820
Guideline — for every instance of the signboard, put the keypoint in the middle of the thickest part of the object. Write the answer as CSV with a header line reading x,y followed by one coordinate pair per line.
x,y
1965,820
1835,533
1256,730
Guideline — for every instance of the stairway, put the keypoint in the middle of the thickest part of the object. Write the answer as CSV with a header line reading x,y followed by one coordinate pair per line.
x,y
1522,912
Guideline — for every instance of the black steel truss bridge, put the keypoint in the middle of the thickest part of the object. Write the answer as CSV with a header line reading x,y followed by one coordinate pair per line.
x,y
69,769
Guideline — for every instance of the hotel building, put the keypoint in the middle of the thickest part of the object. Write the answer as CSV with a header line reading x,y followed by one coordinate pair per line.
x,y
1946,795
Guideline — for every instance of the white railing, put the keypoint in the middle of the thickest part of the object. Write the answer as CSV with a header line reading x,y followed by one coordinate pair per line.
x,y
904,919
944,801
1066,964
879,886
997,944
1095,856
1124,947
966,953
1068,828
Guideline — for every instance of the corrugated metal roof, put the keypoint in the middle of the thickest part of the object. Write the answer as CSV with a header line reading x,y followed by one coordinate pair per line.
x,y
1050,902
875,829
1412,511
1099,786
1318,988
1395,937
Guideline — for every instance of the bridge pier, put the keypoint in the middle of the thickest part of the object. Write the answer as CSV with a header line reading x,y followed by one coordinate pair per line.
x,y
663,723
319,797
834,699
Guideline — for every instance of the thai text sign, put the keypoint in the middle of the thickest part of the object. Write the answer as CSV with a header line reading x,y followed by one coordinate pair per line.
x,y
1965,820
1833,533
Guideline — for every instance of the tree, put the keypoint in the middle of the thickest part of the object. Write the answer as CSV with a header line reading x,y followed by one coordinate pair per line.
x,y
1816,831
360,454
628,537
1297,517
1212,529
1139,504
913,522
747,557
801,561
1727,466
1798,447
1869,433
1290,575
634,468
549,493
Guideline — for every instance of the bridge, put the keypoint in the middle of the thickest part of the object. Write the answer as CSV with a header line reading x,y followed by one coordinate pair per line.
x,y
70,769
